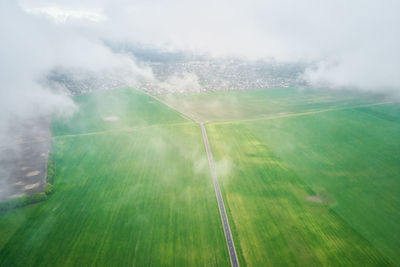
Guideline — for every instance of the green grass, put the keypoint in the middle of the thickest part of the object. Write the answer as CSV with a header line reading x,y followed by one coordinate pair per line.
x,y
235,105
353,158
136,192
132,198
133,109
273,222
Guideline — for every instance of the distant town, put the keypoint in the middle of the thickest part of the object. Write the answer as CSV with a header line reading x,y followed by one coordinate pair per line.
x,y
183,76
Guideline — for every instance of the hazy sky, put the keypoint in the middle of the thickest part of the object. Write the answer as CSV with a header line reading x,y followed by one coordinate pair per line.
x,y
353,43
350,43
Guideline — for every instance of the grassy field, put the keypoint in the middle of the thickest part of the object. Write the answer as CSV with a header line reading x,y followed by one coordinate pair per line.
x,y
352,159
277,219
236,105
308,179
128,108
139,197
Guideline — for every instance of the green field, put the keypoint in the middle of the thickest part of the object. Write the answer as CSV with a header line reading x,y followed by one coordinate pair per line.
x,y
127,197
351,157
334,173
132,109
279,219
236,105
309,178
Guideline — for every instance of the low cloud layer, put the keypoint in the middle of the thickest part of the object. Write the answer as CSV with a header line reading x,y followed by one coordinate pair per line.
x,y
346,44
350,44
31,46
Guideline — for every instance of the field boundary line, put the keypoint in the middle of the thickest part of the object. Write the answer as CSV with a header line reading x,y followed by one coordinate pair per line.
x,y
126,129
301,113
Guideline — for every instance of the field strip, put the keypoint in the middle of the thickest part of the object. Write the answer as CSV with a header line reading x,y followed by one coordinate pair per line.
x,y
301,113
225,222
126,129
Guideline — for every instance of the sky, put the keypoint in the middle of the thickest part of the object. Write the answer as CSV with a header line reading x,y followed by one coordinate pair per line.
x,y
347,43
350,43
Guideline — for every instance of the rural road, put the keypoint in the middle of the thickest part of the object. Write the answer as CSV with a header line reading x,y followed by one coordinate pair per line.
x,y
222,211
225,223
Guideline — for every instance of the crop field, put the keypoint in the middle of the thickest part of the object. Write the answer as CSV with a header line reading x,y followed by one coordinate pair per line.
x,y
126,197
114,110
352,159
277,218
256,104
308,178
305,189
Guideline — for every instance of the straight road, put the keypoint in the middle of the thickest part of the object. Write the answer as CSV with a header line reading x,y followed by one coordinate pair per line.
x,y
222,211
221,206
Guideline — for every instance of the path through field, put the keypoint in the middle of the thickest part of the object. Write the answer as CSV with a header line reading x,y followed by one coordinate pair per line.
x,y
221,206
222,211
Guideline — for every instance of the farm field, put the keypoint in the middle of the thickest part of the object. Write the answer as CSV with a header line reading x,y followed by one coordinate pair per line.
x,y
114,110
351,158
126,197
308,179
277,219
256,104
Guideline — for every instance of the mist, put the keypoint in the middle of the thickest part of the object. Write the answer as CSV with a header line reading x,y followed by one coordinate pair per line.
x,y
340,44
346,44
31,47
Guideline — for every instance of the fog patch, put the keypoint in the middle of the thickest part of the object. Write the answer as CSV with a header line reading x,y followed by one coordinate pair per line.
x,y
224,167
111,118
27,101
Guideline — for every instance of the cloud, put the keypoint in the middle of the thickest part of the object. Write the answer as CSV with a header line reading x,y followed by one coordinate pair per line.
x,y
64,15
32,44
347,43
351,44
179,83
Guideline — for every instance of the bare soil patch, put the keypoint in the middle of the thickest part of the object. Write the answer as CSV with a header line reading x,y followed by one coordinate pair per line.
x,y
315,199
111,118
31,186
34,173
22,158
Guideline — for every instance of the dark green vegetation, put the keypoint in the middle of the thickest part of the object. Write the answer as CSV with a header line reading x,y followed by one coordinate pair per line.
x,y
126,197
308,178
24,200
